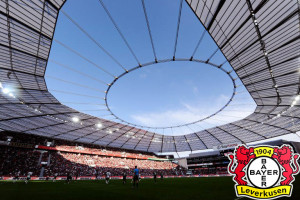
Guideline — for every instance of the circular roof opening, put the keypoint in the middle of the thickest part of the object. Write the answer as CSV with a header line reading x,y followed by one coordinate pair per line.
x,y
170,94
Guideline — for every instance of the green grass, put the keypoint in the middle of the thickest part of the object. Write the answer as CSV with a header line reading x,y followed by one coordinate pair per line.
x,y
178,188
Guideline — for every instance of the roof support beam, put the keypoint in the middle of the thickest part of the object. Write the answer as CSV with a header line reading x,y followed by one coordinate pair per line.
x,y
249,131
188,143
269,125
140,140
281,105
285,74
260,5
201,140
29,54
54,6
150,142
283,115
76,129
108,133
162,143
41,127
260,57
119,136
21,72
23,24
175,144
130,138
34,103
281,86
279,24
213,136
231,135
270,97
220,5
43,115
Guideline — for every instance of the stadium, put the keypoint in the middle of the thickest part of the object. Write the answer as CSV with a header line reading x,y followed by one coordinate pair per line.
x,y
143,99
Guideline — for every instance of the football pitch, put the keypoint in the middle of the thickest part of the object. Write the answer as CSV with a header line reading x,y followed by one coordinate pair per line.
x,y
206,188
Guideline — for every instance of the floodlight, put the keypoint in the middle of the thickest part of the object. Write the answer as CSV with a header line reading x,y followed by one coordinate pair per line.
x,y
5,90
99,125
75,119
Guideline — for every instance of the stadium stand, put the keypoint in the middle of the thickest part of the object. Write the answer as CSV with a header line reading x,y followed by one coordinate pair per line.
x,y
45,157
208,165
90,165
18,161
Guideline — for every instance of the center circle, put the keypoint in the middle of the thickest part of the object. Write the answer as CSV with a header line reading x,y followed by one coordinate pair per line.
x,y
164,83
263,172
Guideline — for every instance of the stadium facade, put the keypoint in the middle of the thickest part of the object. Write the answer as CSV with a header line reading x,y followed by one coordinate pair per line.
x,y
260,39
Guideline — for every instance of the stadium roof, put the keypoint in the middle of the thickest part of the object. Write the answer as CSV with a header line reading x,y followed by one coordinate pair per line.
x,y
260,39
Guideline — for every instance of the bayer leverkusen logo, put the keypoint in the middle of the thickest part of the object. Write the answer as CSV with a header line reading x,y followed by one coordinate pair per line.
x,y
263,172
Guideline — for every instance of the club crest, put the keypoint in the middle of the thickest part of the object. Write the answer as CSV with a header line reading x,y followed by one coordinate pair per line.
x,y
263,172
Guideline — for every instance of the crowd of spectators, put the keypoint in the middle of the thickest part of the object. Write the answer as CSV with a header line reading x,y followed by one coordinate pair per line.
x,y
19,156
64,145
103,151
45,156
19,161
92,165
70,146
211,171
16,159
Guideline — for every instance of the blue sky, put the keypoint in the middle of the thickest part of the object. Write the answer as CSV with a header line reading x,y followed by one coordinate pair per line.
x,y
164,94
